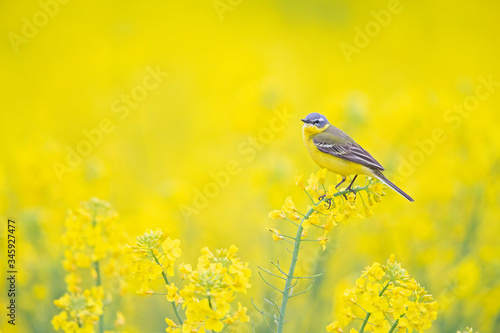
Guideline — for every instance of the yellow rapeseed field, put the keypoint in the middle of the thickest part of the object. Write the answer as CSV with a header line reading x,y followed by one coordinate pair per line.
x,y
154,175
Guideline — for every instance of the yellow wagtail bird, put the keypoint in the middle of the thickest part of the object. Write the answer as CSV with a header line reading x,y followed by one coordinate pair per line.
x,y
334,150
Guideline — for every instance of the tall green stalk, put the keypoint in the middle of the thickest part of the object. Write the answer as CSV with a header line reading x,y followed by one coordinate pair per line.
x,y
98,284
98,279
291,271
166,281
295,254
393,327
368,314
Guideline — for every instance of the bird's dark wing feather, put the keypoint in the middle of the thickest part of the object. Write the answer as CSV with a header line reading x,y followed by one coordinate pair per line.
x,y
349,151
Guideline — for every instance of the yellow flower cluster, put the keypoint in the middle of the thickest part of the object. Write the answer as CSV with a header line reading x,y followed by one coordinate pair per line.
x,y
80,311
93,240
330,205
153,255
211,289
387,299
208,290
92,235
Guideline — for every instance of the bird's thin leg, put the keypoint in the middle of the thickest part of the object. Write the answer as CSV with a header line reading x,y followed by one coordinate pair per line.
x,y
350,189
343,180
353,180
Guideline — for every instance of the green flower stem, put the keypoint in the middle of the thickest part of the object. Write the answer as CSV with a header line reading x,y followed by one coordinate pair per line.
x,y
166,281
393,327
98,278
357,189
98,284
289,278
362,329
296,248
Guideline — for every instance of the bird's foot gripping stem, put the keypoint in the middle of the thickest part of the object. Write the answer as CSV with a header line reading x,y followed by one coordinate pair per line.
x,y
329,200
349,188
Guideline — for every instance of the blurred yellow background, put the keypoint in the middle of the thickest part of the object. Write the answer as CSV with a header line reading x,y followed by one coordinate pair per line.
x,y
186,116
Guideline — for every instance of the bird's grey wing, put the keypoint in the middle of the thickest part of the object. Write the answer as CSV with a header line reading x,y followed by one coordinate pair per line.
x,y
350,151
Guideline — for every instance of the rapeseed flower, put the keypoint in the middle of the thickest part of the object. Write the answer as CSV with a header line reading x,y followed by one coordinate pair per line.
x,y
384,298
153,255
207,291
93,242
80,311
329,205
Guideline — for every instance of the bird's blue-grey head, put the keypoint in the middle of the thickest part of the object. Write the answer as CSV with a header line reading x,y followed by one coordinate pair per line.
x,y
316,119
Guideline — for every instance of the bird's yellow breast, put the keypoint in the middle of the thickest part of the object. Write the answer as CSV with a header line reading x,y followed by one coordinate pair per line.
x,y
330,162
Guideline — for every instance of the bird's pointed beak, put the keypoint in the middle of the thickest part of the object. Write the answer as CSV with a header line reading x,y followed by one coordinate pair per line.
x,y
304,120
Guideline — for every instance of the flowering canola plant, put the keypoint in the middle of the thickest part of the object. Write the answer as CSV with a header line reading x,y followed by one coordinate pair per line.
x,y
329,206
80,311
386,299
93,242
202,297
208,290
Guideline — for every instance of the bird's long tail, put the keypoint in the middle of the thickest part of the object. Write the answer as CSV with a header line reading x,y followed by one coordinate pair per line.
x,y
377,174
